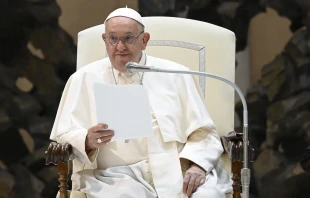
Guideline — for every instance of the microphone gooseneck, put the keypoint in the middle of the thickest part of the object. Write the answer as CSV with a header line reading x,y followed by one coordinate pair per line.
x,y
245,172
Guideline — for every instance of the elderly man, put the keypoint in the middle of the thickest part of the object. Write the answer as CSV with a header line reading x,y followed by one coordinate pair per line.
x,y
180,160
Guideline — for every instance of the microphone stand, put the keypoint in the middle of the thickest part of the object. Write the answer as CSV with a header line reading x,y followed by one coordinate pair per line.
x,y
245,171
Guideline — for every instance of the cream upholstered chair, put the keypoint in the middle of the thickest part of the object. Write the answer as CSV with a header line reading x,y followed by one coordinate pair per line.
x,y
198,45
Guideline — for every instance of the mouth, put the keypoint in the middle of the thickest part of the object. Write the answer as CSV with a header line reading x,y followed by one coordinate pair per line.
x,y
122,54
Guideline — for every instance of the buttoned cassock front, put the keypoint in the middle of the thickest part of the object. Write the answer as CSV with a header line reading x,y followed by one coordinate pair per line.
x,y
186,129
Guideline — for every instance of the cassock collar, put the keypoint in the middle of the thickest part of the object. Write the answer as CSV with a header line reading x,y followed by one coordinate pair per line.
x,y
117,74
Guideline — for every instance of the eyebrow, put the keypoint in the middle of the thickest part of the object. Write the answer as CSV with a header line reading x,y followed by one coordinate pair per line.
x,y
125,33
129,33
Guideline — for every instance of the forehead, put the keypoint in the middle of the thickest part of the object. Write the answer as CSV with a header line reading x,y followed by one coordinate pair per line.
x,y
121,25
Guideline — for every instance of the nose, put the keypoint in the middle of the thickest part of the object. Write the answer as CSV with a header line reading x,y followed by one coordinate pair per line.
x,y
120,46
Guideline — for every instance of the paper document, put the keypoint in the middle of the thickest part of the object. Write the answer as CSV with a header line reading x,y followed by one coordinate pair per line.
x,y
125,109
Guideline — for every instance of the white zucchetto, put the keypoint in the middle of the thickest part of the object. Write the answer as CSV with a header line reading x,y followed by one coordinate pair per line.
x,y
126,12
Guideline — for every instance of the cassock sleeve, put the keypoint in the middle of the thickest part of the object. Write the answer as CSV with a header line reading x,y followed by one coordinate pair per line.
x,y
74,118
203,146
305,160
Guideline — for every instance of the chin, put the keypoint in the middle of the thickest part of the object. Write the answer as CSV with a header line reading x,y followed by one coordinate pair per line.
x,y
120,68
119,64
121,61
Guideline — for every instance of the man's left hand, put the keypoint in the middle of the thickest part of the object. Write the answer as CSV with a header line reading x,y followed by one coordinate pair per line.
x,y
194,177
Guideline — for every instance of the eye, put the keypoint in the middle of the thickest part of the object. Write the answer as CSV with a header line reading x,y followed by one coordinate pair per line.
x,y
113,39
129,39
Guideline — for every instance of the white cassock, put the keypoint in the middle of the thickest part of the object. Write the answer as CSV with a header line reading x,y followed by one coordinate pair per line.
x,y
143,167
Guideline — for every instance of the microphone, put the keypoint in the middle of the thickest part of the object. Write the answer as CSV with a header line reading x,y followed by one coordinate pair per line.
x,y
132,67
245,172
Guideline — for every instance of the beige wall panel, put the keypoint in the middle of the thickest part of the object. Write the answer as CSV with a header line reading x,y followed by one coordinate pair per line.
x,y
78,15
269,33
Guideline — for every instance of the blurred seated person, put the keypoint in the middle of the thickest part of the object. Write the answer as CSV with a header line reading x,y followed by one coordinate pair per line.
x,y
180,160
305,160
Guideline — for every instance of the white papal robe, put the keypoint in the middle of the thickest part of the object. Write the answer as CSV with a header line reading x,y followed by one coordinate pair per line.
x,y
184,131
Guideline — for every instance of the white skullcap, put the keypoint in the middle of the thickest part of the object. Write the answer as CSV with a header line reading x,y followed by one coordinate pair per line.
x,y
126,12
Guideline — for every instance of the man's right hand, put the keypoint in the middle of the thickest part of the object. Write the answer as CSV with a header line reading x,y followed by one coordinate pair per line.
x,y
96,132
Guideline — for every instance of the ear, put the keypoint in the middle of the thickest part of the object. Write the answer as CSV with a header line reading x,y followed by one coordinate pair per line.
x,y
103,36
145,40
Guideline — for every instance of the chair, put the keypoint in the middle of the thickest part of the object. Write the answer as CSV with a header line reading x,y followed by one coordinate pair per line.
x,y
201,47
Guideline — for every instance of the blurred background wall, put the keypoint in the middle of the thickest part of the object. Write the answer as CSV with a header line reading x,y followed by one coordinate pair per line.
x,y
268,34
265,41
78,15
38,53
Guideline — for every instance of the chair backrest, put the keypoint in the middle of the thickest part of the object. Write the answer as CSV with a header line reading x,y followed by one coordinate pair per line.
x,y
198,45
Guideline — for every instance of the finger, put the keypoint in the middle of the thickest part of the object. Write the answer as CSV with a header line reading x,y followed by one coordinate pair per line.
x,y
103,142
191,185
106,141
197,183
105,138
103,134
95,141
106,133
185,182
203,180
99,127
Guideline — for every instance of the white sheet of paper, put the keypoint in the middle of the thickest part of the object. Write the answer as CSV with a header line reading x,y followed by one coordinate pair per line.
x,y
125,109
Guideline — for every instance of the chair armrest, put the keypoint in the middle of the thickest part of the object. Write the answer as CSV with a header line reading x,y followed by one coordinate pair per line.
x,y
59,154
233,145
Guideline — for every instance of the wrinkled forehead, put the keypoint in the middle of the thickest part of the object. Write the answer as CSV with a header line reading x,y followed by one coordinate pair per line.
x,y
122,24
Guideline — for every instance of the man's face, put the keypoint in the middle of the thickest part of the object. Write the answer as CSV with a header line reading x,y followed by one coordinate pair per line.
x,y
121,53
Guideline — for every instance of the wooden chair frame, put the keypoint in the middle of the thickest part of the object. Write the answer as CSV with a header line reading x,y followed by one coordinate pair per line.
x,y
59,155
